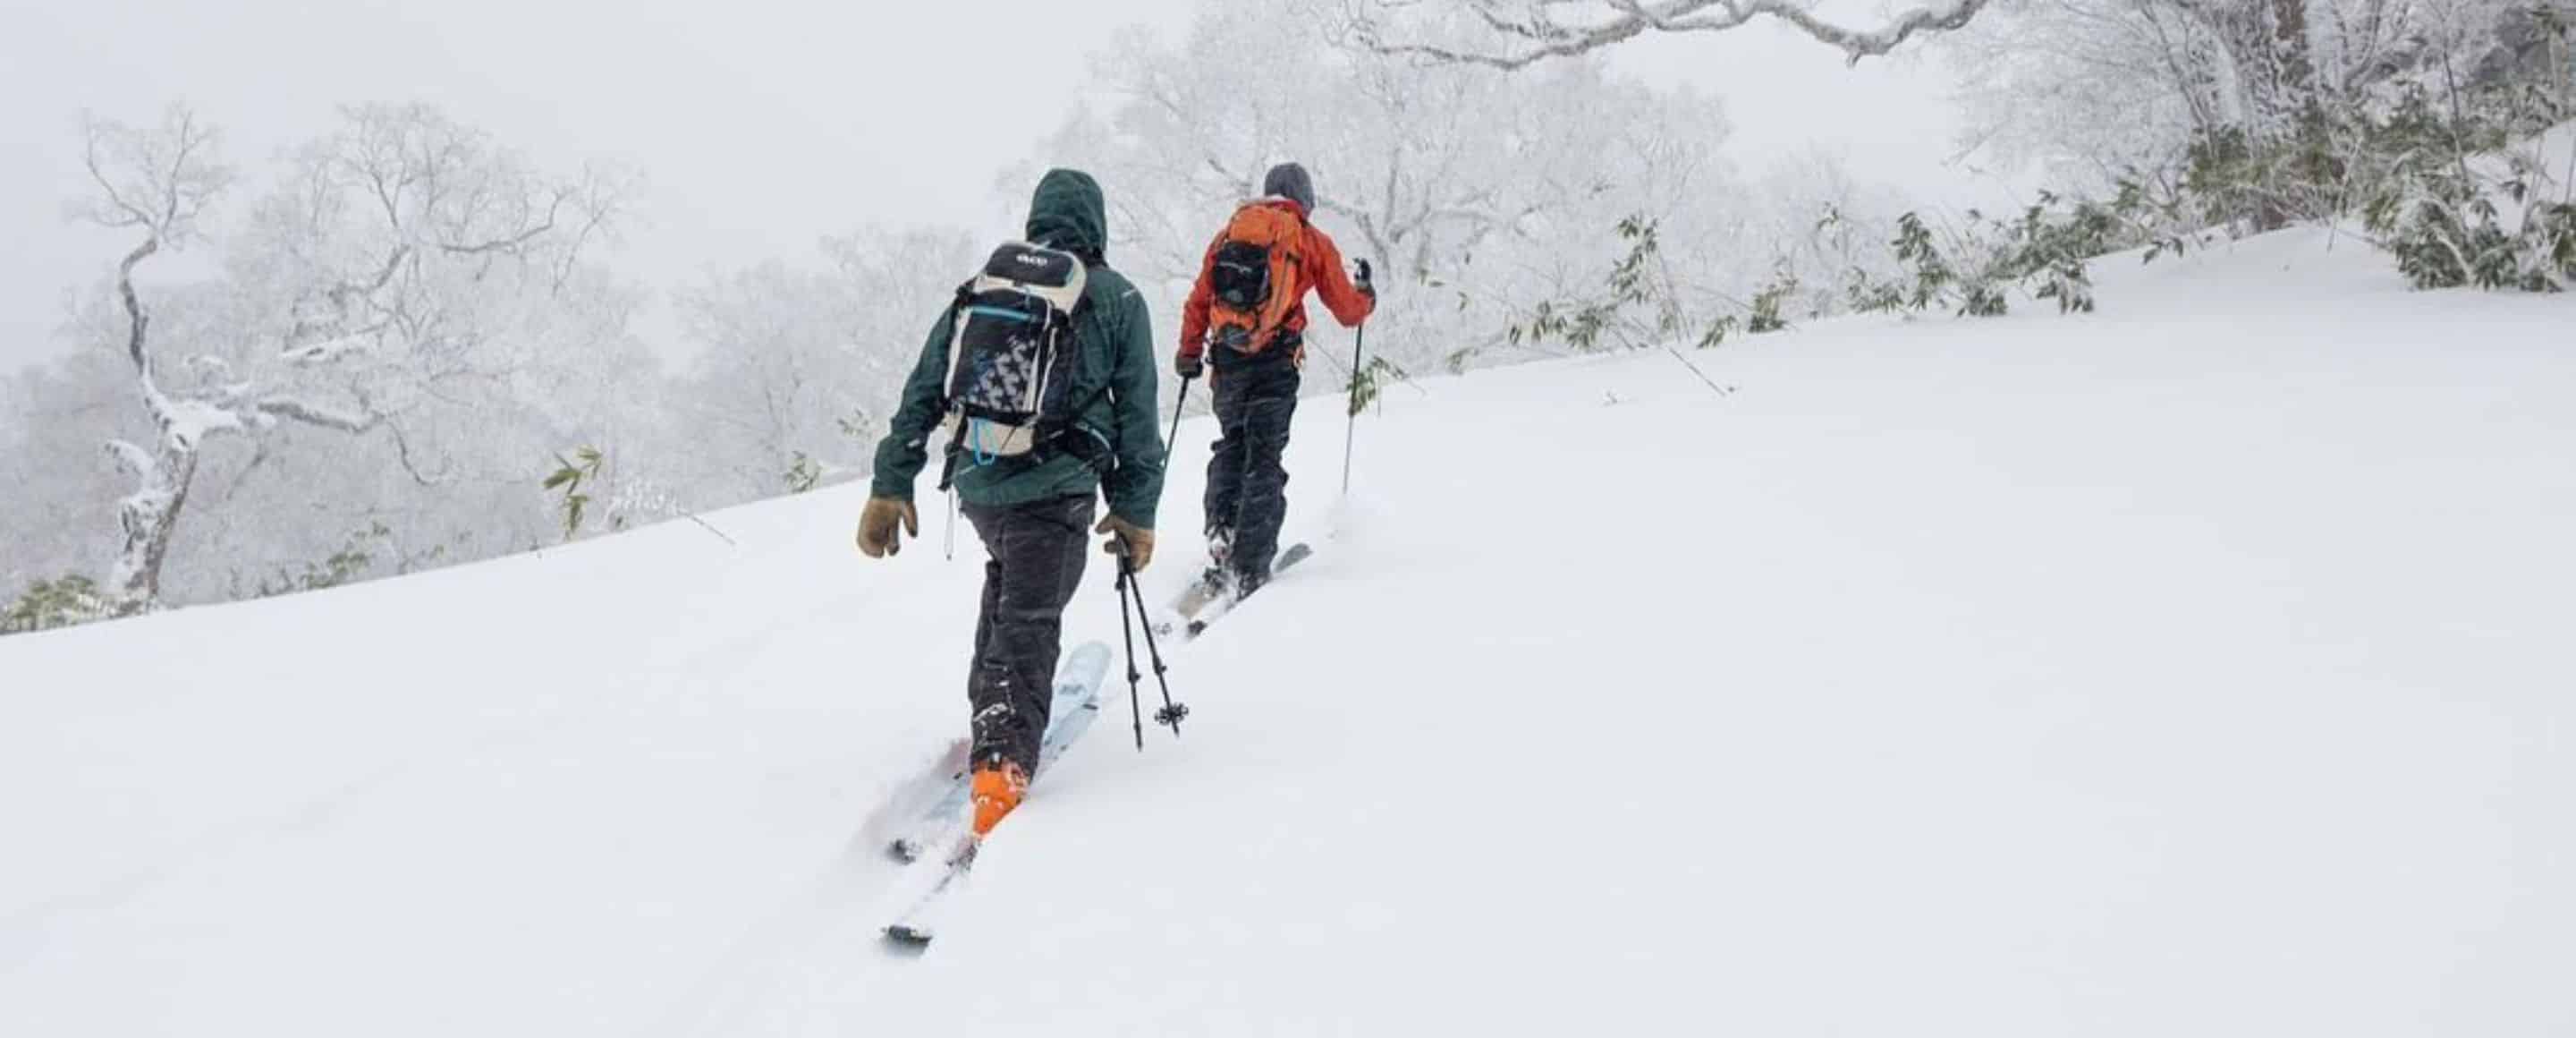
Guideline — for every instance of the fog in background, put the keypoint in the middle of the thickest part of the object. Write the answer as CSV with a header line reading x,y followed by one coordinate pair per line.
x,y
760,124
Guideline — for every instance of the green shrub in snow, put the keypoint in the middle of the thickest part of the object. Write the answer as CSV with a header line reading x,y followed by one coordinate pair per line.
x,y
47,604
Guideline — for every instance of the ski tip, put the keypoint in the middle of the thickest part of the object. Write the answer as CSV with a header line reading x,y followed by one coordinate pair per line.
x,y
907,940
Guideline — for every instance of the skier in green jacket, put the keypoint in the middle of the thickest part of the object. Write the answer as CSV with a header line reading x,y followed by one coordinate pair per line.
x,y
1032,511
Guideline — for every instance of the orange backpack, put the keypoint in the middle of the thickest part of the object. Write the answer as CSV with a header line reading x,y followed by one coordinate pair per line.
x,y
1254,280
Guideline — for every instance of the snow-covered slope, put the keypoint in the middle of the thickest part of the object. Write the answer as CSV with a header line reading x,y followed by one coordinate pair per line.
x,y
2198,667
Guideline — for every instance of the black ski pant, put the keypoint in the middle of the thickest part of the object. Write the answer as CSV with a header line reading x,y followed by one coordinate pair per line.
x,y
1247,487
1038,551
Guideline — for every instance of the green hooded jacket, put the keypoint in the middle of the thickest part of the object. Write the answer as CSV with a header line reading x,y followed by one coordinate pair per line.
x,y
1114,372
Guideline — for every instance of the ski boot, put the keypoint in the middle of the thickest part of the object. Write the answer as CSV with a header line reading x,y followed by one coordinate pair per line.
x,y
998,788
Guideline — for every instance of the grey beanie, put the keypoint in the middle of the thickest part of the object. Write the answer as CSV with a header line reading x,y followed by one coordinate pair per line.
x,y
1289,180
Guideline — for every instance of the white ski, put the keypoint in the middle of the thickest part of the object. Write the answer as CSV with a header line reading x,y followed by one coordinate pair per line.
x,y
928,885
1077,683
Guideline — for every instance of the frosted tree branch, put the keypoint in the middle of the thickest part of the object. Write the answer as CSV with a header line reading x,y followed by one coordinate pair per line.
x,y
402,274
299,411
132,460
1521,33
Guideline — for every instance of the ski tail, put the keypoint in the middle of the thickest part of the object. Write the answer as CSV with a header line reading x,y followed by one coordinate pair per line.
x,y
1288,559
936,877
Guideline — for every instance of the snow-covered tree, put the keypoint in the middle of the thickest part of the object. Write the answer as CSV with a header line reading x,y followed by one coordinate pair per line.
x,y
797,366
395,335
1474,191
2427,121
2258,106
425,273
407,288
159,183
407,261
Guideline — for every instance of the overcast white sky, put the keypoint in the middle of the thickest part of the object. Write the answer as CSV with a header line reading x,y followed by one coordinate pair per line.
x,y
762,124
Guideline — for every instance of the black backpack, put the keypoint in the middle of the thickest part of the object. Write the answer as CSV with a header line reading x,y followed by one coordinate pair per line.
x,y
1012,358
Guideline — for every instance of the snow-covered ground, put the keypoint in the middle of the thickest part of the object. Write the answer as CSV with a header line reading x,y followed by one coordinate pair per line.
x,y
2200,667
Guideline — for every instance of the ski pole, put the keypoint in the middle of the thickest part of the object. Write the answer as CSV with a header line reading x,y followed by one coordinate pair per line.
x,y
1178,403
1127,628
1171,713
1350,437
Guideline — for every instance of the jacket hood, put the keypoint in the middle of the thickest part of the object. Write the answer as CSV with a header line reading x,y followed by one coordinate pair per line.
x,y
1289,180
1285,205
1068,213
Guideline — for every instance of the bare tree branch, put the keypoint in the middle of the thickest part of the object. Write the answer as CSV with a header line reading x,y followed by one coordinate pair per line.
x,y
506,243
157,179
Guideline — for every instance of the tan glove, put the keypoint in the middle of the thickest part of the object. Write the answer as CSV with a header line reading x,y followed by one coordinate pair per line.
x,y
1128,539
877,537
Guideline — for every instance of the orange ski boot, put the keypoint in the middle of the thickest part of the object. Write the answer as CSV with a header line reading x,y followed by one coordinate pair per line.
x,y
998,789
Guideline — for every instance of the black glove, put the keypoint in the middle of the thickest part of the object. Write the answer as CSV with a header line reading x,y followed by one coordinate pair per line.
x,y
1366,288
1188,366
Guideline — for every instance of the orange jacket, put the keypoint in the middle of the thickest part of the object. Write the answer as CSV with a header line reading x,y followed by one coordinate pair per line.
x,y
1319,266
